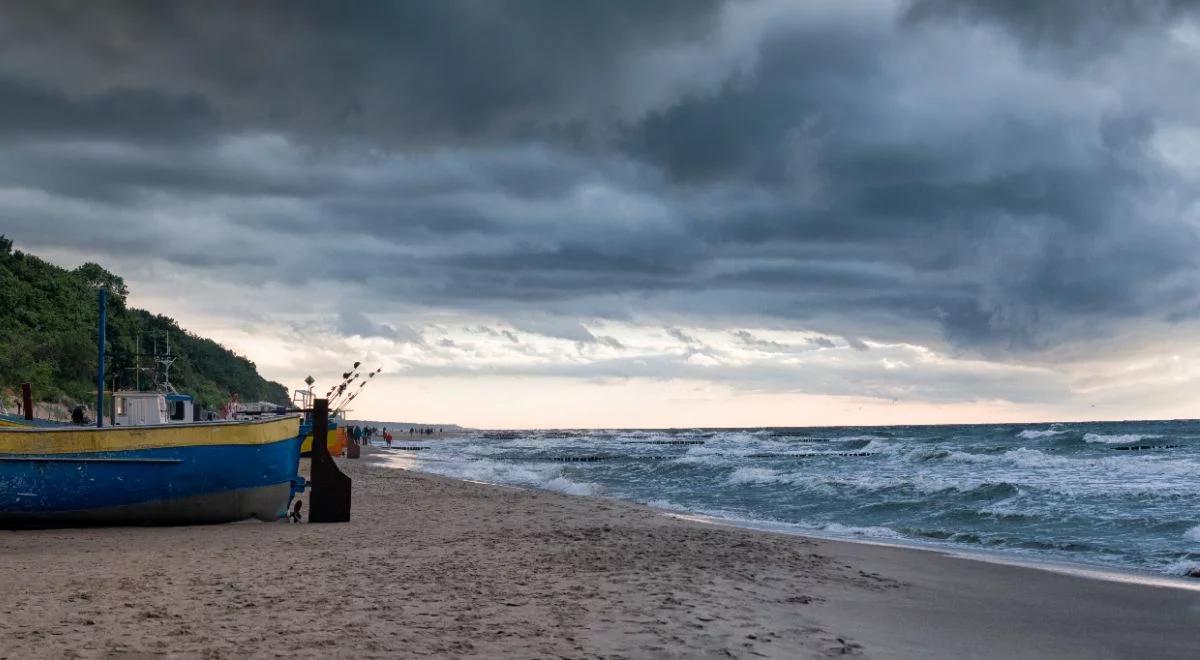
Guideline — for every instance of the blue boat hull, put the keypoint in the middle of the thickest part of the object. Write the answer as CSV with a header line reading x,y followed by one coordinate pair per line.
x,y
187,483
266,503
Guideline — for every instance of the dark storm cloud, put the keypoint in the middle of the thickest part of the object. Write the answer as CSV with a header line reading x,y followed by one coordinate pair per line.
x,y
748,339
493,332
31,111
821,342
682,336
355,323
911,173
411,72
856,344
1085,24
558,329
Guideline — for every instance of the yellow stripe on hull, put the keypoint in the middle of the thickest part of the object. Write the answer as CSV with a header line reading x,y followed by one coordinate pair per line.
x,y
72,440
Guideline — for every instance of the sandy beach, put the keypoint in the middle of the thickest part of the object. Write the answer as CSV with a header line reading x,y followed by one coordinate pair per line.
x,y
436,567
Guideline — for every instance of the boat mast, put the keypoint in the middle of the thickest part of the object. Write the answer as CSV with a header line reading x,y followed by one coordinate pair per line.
x,y
100,361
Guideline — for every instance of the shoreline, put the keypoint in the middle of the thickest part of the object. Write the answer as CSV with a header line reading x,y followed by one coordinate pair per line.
x,y
1104,572
1097,571
1122,577
431,566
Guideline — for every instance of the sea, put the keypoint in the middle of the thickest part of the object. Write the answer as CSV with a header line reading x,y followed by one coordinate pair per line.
x,y
1110,494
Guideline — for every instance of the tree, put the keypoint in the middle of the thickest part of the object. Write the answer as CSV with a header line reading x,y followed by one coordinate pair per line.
x,y
48,322
97,277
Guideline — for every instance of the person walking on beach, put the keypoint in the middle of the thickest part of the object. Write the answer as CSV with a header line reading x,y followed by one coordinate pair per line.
x,y
387,437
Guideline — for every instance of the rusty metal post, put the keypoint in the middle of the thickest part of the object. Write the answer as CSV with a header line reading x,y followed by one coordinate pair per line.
x,y
27,400
330,499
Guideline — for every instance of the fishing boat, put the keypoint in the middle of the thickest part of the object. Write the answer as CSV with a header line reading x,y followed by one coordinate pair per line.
x,y
160,473
337,438
8,419
14,420
153,465
343,394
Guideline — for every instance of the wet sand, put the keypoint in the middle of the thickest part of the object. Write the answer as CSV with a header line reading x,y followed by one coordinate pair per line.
x,y
434,567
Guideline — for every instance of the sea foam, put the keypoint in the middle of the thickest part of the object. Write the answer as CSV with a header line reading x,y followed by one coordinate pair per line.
x,y
871,531
752,475
1184,567
1119,439
1035,434
563,485
1026,484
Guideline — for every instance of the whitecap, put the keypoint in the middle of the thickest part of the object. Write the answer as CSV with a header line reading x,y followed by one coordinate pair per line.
x,y
753,475
665,504
1184,567
1012,507
965,457
1193,534
850,438
563,485
495,472
1035,434
873,532
881,446
1117,439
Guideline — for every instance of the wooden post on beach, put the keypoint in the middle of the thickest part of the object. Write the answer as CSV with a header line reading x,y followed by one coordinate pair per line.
x,y
330,499
27,400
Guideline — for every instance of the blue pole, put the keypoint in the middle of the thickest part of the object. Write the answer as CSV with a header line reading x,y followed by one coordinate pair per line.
x,y
100,362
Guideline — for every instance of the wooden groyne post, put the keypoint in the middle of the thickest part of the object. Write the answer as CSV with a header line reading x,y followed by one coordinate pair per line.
x,y
330,498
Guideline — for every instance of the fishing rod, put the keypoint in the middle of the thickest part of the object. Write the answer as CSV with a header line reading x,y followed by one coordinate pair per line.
x,y
340,391
354,394
347,377
361,385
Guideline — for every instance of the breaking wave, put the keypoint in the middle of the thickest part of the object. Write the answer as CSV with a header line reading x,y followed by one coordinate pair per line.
x,y
1062,490
1184,568
1122,439
871,532
1036,434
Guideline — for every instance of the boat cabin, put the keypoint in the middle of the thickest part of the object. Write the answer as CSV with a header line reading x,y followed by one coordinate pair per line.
x,y
151,408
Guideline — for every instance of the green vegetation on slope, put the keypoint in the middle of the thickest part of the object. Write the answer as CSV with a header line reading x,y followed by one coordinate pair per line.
x,y
48,319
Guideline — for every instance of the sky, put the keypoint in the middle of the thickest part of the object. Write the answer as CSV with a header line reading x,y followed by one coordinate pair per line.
x,y
631,214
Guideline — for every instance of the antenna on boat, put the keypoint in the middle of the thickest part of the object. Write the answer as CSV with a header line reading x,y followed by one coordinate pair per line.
x,y
137,367
165,361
